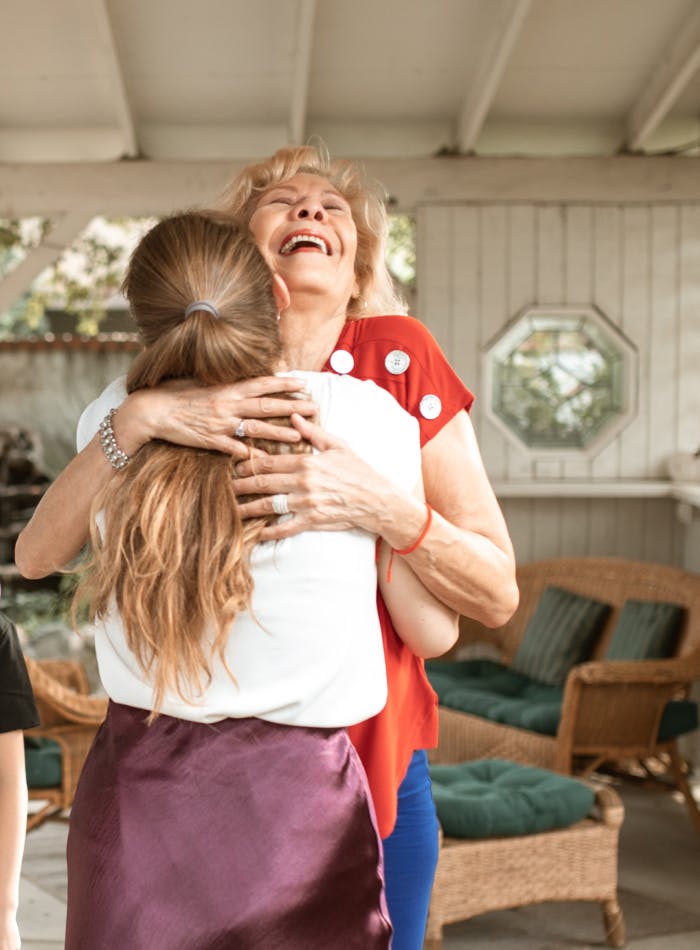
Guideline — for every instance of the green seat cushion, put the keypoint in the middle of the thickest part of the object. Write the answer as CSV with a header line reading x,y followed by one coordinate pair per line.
x,y
495,692
42,759
490,798
645,630
484,675
560,633
679,717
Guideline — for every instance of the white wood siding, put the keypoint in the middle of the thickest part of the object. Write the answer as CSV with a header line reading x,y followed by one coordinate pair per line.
x,y
640,264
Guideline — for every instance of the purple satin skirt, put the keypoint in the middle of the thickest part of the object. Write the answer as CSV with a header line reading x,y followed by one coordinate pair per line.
x,y
242,835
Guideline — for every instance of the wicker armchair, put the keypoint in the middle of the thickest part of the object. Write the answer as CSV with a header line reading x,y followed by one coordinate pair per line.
x,y
70,717
611,709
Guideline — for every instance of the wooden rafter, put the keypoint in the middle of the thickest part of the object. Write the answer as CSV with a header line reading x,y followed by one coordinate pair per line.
x,y
116,78
666,84
301,71
508,21
155,188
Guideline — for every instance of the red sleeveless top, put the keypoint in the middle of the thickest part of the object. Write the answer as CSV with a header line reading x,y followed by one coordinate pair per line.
x,y
400,355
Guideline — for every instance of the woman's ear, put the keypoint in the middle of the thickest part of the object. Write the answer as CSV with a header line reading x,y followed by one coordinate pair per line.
x,y
280,292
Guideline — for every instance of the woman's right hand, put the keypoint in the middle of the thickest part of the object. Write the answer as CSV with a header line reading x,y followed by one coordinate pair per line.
x,y
208,416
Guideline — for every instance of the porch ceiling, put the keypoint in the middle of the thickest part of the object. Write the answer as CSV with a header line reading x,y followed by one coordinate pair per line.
x,y
189,80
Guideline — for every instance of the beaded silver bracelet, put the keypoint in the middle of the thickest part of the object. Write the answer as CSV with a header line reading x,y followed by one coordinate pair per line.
x,y
116,458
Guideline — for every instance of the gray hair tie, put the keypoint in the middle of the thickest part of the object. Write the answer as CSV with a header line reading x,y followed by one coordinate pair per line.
x,y
202,305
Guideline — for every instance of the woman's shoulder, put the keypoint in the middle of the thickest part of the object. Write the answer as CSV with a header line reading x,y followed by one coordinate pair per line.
x,y
402,329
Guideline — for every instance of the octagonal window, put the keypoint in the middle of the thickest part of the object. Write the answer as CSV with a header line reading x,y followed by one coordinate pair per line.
x,y
561,378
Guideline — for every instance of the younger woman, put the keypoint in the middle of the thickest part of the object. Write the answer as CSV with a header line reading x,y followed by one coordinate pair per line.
x,y
222,804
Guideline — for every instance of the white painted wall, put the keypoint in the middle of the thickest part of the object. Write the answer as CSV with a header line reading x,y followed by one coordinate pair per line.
x,y
479,264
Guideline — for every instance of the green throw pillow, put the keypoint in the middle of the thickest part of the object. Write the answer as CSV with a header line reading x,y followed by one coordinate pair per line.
x,y
645,630
560,634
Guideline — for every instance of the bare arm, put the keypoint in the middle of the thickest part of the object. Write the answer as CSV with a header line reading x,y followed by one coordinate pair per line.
x,y
425,624
185,415
467,558
13,820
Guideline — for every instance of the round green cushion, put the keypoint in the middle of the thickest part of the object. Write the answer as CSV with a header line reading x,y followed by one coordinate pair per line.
x,y
42,758
490,798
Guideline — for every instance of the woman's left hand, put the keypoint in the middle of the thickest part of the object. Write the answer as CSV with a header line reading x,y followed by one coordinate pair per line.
x,y
331,490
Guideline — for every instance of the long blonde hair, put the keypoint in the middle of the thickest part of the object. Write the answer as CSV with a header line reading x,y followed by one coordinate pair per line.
x,y
174,555
366,200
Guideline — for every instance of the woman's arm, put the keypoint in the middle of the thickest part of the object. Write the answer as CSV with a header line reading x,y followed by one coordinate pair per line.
x,y
466,560
179,413
425,624
13,821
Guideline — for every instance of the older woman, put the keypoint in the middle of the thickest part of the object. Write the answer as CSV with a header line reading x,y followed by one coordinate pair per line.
x,y
322,229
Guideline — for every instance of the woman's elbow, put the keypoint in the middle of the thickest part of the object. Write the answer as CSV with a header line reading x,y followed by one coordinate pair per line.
x,y
502,606
29,565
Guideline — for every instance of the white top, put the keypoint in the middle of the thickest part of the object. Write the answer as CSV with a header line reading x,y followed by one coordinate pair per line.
x,y
314,655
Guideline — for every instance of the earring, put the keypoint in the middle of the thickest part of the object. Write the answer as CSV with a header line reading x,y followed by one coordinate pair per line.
x,y
279,315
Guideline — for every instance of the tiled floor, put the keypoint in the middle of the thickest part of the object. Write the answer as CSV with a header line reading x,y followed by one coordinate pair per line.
x,y
659,891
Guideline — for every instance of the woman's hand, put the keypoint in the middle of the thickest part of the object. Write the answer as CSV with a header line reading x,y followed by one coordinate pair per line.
x,y
209,416
330,491
466,561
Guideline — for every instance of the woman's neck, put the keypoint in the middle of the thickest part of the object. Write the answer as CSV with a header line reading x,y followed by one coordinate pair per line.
x,y
308,337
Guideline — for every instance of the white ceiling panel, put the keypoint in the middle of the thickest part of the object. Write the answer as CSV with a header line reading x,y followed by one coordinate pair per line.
x,y
86,80
587,59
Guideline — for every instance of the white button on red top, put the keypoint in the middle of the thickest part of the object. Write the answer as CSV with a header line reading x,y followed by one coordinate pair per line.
x,y
397,362
342,361
430,406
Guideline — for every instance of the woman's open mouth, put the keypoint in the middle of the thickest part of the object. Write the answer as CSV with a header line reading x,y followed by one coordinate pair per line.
x,y
304,241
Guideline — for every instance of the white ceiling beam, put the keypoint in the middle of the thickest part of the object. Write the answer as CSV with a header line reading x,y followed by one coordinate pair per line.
x,y
108,47
301,71
64,144
507,23
65,229
145,188
666,84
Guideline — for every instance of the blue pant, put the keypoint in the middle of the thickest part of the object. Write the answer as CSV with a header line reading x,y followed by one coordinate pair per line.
x,y
410,857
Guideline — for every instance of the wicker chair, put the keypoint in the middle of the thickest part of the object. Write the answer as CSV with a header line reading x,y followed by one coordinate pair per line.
x,y
70,717
575,863
611,709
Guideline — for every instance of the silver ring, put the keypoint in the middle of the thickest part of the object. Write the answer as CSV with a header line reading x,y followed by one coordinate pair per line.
x,y
280,504
240,429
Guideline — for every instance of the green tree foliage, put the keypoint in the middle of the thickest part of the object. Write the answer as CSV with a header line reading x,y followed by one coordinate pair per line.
x,y
401,250
80,283
88,274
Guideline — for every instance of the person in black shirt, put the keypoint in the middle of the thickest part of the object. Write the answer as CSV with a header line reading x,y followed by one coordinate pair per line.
x,y
17,712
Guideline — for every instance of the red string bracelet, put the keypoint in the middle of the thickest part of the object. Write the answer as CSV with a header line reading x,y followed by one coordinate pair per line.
x,y
412,547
